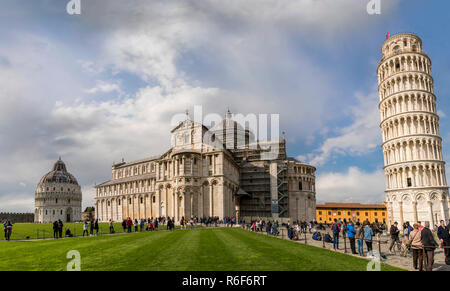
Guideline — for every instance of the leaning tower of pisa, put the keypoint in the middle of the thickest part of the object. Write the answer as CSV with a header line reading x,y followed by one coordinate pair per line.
x,y
416,186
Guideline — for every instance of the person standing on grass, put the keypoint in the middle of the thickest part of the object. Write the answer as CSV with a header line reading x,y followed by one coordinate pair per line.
x,y
9,228
96,227
415,242
136,224
124,225
268,227
4,227
351,233
394,231
336,229
91,228
111,226
444,236
141,225
60,228
129,224
429,246
85,228
368,235
55,229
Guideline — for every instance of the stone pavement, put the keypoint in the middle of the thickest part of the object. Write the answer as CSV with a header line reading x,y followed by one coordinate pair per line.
x,y
392,259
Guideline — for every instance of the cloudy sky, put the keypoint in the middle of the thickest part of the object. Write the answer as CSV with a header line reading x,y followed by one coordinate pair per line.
x,y
103,85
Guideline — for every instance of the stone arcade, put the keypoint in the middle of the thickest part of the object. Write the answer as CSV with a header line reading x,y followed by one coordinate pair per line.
x,y
416,186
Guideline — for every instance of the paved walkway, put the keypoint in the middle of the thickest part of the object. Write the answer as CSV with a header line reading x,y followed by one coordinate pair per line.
x,y
392,259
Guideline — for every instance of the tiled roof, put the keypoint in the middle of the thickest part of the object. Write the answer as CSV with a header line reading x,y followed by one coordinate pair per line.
x,y
350,205
127,179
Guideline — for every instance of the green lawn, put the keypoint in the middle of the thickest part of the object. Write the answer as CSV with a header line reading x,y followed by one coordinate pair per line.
x,y
187,250
33,230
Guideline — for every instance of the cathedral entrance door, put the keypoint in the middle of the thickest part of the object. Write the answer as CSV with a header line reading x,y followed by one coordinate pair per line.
x,y
68,214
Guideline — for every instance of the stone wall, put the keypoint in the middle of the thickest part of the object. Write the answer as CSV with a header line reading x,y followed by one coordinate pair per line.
x,y
17,217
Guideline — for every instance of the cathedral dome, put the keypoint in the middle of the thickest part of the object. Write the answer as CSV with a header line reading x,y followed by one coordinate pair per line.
x,y
59,174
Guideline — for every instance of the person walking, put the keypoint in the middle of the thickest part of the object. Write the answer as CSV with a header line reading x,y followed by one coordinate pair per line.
x,y
415,242
429,246
394,232
360,238
444,236
351,233
336,229
368,235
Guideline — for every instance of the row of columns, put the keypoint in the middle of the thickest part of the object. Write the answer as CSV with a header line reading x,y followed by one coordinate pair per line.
x,y
410,124
401,104
431,217
412,151
420,177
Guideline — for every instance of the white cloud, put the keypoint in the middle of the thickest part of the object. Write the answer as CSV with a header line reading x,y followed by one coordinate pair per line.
x,y
45,113
104,87
354,185
360,137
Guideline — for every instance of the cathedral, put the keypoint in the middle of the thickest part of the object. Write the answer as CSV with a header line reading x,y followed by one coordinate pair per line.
x,y
219,172
57,196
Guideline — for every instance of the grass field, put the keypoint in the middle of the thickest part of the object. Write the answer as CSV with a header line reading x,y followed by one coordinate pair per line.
x,y
41,230
185,250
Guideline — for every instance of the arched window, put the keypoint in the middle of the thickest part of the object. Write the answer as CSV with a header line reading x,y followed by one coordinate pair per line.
x,y
300,186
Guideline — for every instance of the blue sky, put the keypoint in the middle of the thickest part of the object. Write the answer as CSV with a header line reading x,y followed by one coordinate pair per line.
x,y
105,84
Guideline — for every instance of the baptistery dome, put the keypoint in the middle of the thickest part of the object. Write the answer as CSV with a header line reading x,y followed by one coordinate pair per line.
x,y
59,174
58,196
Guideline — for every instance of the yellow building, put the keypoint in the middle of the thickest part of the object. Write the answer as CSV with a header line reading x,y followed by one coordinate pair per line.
x,y
327,212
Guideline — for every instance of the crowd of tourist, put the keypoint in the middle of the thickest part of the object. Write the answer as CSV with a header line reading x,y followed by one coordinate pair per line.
x,y
419,240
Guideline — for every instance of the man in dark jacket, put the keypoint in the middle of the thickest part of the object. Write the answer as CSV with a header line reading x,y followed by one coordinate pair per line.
x,y
55,229
429,245
444,235
394,235
60,228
